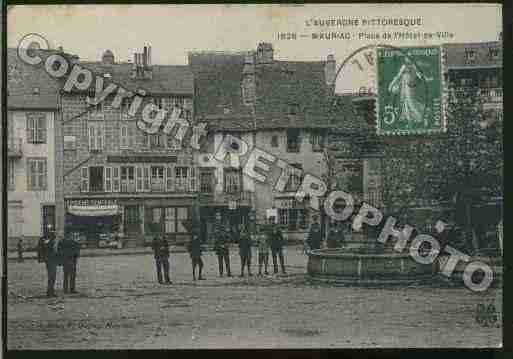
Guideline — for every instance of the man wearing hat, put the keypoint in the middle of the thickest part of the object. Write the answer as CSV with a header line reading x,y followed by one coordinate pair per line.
x,y
276,243
195,249
222,246
314,236
47,252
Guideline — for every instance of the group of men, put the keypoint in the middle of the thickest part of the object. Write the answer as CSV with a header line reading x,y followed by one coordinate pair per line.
x,y
268,238
55,253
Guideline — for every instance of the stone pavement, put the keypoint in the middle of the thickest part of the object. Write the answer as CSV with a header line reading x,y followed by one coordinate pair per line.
x,y
120,306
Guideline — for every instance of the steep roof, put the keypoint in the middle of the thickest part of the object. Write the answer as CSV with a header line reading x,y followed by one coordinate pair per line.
x,y
345,119
279,84
455,54
166,79
29,86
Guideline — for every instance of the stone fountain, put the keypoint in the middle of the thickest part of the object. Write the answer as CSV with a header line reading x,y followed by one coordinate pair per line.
x,y
365,261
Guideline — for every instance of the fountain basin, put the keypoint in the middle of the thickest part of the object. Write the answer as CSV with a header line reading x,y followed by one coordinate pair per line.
x,y
367,266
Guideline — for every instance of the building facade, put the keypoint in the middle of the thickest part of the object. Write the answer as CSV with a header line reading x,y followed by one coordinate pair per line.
x,y
34,142
117,178
277,106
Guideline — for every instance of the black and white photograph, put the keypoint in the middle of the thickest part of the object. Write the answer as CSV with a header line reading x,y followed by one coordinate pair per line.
x,y
253,176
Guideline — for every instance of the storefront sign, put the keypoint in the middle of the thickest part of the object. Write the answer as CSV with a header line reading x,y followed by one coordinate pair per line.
x,y
142,159
91,202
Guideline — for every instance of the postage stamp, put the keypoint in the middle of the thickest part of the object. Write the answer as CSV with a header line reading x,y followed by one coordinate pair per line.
x,y
410,88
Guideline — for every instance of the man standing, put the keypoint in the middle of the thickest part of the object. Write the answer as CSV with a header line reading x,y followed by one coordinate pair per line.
x,y
335,236
161,253
47,252
276,242
245,250
70,251
315,236
222,246
194,249
263,250
20,250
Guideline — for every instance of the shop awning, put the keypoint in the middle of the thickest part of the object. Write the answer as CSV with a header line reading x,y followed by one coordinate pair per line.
x,y
94,211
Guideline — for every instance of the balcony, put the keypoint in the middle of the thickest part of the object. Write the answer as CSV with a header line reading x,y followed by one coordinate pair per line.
x,y
14,148
223,199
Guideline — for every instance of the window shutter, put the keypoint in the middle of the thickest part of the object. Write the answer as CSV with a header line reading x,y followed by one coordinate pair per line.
x,y
146,178
192,179
138,178
85,179
41,129
170,178
91,138
131,136
30,129
100,138
107,177
42,168
116,184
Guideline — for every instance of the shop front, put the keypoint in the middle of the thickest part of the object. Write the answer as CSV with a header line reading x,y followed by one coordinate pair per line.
x,y
92,220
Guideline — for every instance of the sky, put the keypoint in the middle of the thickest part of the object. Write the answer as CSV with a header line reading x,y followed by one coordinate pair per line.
x,y
174,30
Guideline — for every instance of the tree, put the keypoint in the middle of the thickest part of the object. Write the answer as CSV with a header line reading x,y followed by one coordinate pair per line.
x,y
462,165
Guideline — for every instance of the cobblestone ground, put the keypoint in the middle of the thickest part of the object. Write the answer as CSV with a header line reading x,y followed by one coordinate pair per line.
x,y
119,305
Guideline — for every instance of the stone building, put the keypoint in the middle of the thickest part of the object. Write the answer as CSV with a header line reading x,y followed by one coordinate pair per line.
x,y
117,178
34,171
275,105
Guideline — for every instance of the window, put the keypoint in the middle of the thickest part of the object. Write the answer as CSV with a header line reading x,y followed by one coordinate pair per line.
x,y
317,140
96,112
207,181
274,141
157,215
36,174
493,52
174,217
126,136
470,54
157,178
96,179
125,108
295,219
158,101
36,128
173,143
232,181
296,177
127,179
48,218
293,140
11,183
181,179
95,130
157,140
70,143
293,108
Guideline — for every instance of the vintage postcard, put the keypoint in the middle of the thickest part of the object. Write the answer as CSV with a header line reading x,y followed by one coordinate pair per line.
x,y
254,176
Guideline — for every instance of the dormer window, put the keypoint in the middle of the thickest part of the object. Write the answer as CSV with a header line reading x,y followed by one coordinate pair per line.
x,y
493,52
470,54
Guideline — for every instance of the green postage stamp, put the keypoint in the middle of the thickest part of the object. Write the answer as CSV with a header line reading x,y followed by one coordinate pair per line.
x,y
409,87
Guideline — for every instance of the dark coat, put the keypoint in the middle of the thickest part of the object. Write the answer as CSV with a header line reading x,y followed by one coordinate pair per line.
x,y
160,248
276,239
245,244
335,238
70,248
194,248
314,236
221,239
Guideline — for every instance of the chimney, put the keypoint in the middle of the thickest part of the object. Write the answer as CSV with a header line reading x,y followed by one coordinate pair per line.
x,y
248,80
147,68
149,55
330,70
265,53
145,56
